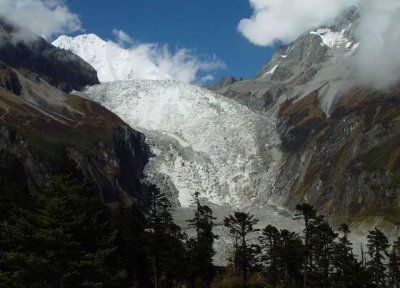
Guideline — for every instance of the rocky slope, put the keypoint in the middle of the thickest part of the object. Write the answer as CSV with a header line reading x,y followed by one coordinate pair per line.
x,y
33,57
340,141
45,131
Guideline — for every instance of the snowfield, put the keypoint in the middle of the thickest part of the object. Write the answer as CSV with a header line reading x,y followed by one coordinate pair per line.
x,y
201,141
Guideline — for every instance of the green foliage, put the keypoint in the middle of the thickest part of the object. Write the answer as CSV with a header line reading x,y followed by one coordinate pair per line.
x,y
13,184
241,226
168,250
345,263
377,249
133,245
52,143
282,256
63,240
378,157
230,279
200,249
394,265
322,244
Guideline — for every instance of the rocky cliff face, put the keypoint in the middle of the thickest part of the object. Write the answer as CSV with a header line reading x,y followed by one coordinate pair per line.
x,y
317,60
339,141
34,56
346,163
45,131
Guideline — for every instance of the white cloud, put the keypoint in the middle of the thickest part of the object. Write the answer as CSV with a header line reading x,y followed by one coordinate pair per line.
x,y
46,18
183,64
157,61
121,37
207,78
114,61
285,20
378,59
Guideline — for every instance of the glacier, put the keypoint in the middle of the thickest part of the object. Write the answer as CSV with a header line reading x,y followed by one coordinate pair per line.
x,y
204,142
200,141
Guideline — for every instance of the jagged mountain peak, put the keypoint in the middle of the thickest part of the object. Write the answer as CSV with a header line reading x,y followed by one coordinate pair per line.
x,y
317,60
64,41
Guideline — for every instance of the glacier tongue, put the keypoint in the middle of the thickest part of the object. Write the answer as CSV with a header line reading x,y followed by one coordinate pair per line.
x,y
201,141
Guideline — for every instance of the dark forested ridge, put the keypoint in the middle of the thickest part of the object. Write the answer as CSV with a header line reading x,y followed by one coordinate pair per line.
x,y
62,236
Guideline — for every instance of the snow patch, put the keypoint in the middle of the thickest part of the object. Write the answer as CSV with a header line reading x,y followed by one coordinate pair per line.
x,y
353,50
330,38
272,70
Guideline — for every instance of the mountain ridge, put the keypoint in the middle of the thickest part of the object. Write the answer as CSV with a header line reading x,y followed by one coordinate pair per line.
x,y
45,131
321,114
60,68
338,135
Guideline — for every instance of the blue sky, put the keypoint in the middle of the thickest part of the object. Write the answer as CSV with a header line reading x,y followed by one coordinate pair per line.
x,y
208,26
195,29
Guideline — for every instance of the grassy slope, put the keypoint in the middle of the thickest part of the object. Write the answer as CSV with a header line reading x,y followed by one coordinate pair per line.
x,y
49,132
308,123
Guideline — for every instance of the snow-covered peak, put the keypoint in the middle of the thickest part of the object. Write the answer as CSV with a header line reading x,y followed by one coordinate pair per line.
x,y
110,60
151,61
65,41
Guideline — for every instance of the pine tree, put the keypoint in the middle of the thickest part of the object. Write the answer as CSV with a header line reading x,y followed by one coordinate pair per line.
x,y
240,226
321,249
394,265
270,244
64,240
291,255
377,250
168,248
133,245
308,213
346,265
156,198
200,249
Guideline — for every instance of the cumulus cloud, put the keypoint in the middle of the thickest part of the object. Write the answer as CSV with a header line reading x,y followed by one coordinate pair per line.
x,y
183,64
159,62
285,20
46,18
378,59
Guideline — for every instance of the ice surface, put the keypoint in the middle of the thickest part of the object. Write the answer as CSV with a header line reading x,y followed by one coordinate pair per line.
x,y
202,141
